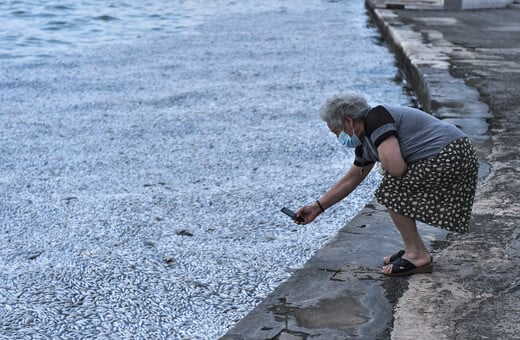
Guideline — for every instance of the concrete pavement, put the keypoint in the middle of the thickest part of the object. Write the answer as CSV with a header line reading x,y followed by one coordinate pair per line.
x,y
464,67
474,292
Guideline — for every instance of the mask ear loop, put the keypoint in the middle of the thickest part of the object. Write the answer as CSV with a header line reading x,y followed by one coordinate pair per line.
x,y
347,122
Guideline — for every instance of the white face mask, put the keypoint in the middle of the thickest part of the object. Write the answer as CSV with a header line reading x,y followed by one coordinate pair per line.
x,y
349,142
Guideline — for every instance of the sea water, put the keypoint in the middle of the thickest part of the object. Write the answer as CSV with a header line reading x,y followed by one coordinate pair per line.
x,y
147,148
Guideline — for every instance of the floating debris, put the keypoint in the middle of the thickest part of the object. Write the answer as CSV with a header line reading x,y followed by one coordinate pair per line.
x,y
184,232
34,255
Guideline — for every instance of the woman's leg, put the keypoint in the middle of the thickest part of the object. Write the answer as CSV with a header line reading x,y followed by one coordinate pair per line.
x,y
415,250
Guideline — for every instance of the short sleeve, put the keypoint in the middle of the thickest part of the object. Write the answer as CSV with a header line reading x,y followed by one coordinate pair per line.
x,y
360,159
379,125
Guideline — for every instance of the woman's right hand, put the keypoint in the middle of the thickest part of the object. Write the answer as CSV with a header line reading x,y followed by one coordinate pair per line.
x,y
308,213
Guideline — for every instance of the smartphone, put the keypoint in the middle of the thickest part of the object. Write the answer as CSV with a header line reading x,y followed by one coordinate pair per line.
x,y
292,214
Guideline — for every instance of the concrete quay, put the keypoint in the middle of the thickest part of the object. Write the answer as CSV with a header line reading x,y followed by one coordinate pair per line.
x,y
464,67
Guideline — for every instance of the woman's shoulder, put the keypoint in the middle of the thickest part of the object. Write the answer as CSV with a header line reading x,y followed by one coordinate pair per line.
x,y
377,117
378,109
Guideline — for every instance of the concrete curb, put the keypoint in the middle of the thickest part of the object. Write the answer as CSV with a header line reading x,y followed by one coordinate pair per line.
x,y
340,293
426,64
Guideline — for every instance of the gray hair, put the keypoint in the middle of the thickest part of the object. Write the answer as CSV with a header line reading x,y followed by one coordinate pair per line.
x,y
340,106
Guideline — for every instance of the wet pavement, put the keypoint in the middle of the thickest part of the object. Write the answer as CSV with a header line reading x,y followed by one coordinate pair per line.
x,y
464,67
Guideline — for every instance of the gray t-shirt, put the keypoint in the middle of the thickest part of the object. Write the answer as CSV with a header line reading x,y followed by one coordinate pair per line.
x,y
420,134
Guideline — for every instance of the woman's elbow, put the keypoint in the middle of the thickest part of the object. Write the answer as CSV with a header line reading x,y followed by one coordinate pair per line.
x,y
398,171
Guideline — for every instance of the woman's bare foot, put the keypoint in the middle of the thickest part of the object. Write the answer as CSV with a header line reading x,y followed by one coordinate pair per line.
x,y
391,258
417,261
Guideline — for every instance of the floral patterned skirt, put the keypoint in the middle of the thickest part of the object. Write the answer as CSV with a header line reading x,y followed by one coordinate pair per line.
x,y
438,191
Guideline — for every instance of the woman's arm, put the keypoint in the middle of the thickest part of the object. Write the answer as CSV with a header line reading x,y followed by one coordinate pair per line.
x,y
391,157
354,176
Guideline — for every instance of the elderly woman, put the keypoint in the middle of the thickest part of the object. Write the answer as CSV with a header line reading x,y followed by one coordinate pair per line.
x,y
430,172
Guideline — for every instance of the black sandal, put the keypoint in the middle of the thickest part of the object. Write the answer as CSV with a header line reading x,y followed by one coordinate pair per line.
x,y
394,257
403,267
